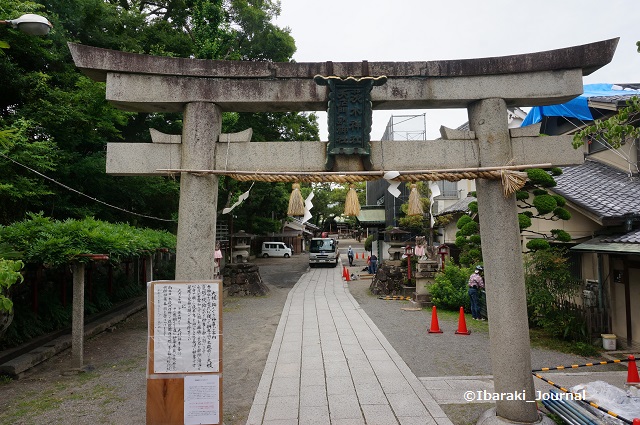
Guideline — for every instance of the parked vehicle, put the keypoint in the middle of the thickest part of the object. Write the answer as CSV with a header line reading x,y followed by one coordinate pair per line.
x,y
324,251
275,249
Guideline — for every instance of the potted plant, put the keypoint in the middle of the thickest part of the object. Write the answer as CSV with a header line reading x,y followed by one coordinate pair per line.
x,y
9,275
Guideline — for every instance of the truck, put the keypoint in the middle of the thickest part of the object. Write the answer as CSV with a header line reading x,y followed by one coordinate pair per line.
x,y
324,251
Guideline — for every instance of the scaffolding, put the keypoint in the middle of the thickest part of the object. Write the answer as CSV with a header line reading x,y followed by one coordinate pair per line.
x,y
406,127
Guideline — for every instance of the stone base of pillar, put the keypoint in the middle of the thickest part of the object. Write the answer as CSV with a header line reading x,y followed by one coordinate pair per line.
x,y
421,300
489,418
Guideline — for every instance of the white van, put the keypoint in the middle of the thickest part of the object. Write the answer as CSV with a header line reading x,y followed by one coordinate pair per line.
x,y
275,249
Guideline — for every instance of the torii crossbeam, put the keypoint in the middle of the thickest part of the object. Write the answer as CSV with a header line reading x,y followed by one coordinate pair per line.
x,y
203,89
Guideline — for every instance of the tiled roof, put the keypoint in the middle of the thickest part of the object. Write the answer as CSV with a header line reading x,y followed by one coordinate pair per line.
x,y
462,206
599,244
619,100
631,237
602,190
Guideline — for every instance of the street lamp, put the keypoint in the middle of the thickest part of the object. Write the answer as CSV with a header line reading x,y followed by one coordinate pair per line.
x,y
31,24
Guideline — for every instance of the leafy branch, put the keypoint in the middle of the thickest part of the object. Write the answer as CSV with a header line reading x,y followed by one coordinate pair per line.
x,y
614,130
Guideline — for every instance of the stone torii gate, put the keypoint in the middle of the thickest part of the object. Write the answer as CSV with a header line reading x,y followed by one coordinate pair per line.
x,y
203,89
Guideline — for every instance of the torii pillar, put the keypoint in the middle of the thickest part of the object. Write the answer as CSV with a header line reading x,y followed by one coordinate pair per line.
x,y
504,273
202,89
198,194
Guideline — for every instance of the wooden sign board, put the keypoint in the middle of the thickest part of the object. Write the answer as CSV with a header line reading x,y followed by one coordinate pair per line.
x,y
184,365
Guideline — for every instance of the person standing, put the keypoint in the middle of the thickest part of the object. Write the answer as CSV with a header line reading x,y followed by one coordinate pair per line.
x,y
217,255
373,264
476,284
350,255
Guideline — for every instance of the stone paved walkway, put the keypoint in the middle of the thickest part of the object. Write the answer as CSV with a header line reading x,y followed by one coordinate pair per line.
x,y
329,364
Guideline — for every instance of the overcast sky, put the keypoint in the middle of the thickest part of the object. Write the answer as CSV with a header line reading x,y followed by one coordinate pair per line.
x,y
425,30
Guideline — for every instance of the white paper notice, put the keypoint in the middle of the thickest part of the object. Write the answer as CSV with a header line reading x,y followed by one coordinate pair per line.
x,y
186,328
201,399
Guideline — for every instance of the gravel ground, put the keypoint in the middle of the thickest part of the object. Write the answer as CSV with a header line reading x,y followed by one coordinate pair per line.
x,y
113,389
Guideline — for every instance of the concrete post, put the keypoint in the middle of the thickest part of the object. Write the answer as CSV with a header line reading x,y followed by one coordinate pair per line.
x,y
149,270
77,321
504,273
198,194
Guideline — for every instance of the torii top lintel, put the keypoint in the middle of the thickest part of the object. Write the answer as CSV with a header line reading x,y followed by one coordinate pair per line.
x,y
147,83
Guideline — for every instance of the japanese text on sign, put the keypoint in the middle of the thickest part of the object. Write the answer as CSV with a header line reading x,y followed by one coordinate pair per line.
x,y
186,328
349,115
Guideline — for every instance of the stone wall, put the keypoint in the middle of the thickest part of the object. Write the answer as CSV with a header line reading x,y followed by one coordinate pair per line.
x,y
243,279
388,280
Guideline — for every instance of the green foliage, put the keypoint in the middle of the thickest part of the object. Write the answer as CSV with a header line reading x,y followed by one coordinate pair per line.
x,y
329,200
469,229
450,288
57,121
585,349
544,204
468,240
475,239
561,213
522,195
443,220
560,201
43,240
555,171
540,177
614,130
20,189
209,29
463,220
418,224
561,235
538,244
414,223
550,289
473,207
9,275
524,221
368,243
471,255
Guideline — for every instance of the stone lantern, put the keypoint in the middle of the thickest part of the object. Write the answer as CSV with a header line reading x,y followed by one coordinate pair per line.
x,y
240,245
396,244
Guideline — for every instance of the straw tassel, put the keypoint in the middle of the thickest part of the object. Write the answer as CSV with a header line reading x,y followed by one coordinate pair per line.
x,y
351,204
415,204
512,181
296,203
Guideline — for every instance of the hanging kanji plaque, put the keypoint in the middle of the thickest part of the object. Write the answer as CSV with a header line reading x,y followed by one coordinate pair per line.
x,y
349,114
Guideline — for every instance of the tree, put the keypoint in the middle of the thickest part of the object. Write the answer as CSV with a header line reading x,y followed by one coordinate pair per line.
x,y
21,190
616,129
68,112
419,224
535,201
550,288
450,288
543,206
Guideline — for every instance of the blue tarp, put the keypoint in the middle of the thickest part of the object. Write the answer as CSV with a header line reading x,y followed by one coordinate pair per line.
x,y
576,108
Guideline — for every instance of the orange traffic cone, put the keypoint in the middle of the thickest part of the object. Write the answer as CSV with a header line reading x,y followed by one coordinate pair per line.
x,y
462,324
632,372
435,327
347,275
